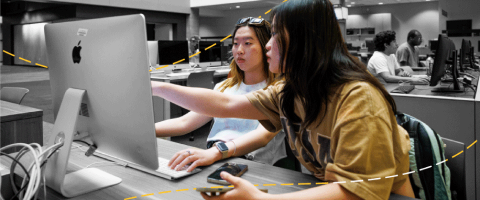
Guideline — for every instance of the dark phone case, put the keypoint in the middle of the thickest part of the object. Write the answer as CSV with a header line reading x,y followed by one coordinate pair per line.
x,y
241,169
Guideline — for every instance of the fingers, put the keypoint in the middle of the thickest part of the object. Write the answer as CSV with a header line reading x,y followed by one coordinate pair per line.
x,y
178,158
212,196
231,179
185,161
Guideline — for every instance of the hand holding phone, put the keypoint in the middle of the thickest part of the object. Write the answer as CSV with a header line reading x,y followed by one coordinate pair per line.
x,y
232,168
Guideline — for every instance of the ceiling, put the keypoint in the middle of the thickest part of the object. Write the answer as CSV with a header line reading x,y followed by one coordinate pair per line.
x,y
272,3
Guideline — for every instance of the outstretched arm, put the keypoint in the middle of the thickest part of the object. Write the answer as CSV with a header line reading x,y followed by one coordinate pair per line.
x,y
181,125
207,102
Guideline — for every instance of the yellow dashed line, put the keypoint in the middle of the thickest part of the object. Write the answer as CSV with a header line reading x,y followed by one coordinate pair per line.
x,y
24,59
217,187
268,11
322,183
286,184
194,54
181,190
162,67
255,185
269,184
457,154
304,183
131,198
210,46
472,144
8,53
225,38
41,65
145,195
179,61
165,192
230,186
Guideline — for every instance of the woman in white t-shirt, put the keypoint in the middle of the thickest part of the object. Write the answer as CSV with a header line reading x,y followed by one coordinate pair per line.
x,y
249,72
384,65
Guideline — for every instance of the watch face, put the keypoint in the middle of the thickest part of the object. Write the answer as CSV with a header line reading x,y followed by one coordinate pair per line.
x,y
222,146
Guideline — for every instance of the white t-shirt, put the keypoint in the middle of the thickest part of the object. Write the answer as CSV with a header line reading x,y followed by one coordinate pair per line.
x,y
227,129
380,62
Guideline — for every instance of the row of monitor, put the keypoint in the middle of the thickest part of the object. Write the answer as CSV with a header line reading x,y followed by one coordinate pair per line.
x,y
171,51
446,60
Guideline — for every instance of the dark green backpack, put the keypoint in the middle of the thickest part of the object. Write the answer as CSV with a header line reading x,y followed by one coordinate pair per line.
x,y
430,181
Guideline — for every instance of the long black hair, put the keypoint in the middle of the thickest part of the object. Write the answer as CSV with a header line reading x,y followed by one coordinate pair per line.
x,y
314,58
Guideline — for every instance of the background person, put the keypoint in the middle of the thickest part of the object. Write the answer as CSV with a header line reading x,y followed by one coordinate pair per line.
x,y
407,53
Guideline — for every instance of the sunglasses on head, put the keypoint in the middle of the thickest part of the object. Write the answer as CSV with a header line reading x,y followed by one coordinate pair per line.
x,y
251,20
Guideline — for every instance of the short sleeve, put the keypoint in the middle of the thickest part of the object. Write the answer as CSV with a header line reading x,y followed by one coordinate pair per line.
x,y
267,102
402,54
362,136
397,65
378,65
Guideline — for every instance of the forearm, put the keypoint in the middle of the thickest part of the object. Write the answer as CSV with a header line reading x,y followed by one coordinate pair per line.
x,y
330,191
395,79
181,125
207,102
250,142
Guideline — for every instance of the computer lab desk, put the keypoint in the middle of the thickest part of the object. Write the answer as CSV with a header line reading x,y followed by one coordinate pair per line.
x,y
162,107
139,185
455,116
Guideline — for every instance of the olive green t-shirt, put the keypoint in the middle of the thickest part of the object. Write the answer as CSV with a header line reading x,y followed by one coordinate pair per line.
x,y
357,140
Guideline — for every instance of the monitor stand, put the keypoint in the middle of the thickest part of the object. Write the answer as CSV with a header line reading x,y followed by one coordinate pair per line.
x,y
78,182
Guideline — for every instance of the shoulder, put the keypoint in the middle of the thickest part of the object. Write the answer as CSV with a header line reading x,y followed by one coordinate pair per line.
x,y
363,97
403,46
360,90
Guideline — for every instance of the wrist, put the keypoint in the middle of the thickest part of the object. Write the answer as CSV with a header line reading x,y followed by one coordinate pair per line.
x,y
214,151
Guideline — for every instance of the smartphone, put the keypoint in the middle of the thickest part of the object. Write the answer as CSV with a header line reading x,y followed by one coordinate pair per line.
x,y
232,168
221,190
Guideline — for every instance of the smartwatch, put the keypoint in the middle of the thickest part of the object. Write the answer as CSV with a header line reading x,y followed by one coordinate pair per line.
x,y
222,147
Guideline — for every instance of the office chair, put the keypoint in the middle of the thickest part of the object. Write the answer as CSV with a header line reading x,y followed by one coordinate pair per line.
x,y
202,79
457,168
13,94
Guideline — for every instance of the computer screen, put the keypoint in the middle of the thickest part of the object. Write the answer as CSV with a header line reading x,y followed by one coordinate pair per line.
x,y
100,86
433,45
445,54
172,51
464,54
213,55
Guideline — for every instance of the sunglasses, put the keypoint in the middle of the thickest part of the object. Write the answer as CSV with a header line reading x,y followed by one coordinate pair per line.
x,y
251,20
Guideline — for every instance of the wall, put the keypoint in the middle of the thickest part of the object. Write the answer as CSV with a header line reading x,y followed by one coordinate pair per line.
x,y
223,26
407,16
458,10
163,32
176,6
29,43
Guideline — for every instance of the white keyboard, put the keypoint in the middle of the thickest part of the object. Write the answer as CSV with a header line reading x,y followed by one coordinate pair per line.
x,y
222,70
166,172
179,74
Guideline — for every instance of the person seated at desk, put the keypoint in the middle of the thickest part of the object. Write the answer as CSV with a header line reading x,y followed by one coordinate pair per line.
x,y
383,63
339,119
250,72
408,52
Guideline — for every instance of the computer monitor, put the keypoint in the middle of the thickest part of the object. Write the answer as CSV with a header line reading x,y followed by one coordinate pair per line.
x,y
445,54
370,45
433,45
464,54
211,53
100,86
173,53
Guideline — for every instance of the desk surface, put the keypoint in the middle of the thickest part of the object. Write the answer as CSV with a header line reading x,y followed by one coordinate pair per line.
x,y
12,111
219,71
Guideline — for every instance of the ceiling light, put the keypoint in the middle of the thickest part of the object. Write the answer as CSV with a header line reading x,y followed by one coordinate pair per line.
x,y
353,3
237,7
349,5
380,3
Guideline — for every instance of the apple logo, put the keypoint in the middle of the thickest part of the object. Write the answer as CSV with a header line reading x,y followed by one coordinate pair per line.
x,y
76,53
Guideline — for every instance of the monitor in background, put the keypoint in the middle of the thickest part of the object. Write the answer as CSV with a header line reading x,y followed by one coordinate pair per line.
x,y
101,88
445,54
212,56
433,44
464,54
153,52
370,45
172,51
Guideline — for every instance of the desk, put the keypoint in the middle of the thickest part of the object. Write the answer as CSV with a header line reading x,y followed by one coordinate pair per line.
x,y
137,183
20,123
452,116
162,107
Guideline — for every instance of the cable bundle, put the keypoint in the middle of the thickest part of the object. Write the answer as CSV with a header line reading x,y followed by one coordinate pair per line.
x,y
33,176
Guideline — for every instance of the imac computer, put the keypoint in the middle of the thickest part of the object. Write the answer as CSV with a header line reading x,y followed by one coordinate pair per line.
x,y
445,54
153,52
173,53
100,88
212,56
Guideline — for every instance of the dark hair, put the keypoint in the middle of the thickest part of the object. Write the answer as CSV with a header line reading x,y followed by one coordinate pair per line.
x,y
317,61
412,34
382,38
262,31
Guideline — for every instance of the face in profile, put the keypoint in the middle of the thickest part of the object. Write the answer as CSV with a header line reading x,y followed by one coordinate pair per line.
x,y
247,50
273,54
418,39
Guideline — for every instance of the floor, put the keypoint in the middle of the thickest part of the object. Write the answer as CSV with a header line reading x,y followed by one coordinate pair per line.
x,y
37,80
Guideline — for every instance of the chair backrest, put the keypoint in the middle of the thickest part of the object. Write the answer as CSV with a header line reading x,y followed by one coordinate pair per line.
x,y
457,167
13,94
202,79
